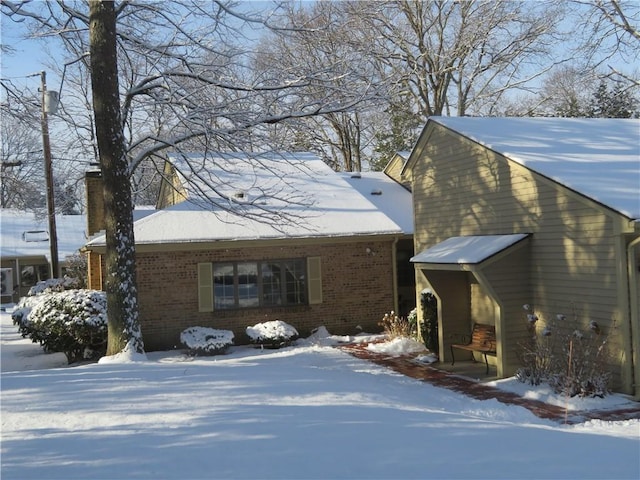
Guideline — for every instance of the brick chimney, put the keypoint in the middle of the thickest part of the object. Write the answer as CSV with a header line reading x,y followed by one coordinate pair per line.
x,y
95,200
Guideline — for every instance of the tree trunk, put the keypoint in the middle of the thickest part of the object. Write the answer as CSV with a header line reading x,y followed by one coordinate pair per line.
x,y
120,282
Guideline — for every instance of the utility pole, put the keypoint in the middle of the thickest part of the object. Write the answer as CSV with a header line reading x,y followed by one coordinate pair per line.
x,y
49,105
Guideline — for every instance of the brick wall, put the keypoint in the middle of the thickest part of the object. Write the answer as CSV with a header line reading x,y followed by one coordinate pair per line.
x,y
357,282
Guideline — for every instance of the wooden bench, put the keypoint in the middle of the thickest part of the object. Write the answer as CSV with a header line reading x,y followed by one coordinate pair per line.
x,y
482,340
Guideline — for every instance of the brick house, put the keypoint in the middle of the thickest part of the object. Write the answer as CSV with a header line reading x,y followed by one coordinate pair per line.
x,y
539,211
240,239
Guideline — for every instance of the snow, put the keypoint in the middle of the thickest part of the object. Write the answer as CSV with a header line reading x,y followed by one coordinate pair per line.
x,y
308,411
394,200
272,330
597,157
23,234
204,339
235,197
129,354
397,346
470,249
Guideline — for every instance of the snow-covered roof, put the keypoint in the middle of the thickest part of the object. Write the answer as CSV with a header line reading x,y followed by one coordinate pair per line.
x,y
470,250
386,194
242,197
23,234
597,157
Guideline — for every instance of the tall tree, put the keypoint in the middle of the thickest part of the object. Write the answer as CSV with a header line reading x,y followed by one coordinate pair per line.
x,y
610,36
320,39
461,57
122,299
616,102
21,168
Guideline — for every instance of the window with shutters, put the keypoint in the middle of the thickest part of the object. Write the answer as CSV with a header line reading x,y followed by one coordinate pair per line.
x,y
258,284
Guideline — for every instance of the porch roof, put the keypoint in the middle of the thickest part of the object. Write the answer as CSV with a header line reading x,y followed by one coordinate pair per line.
x,y
467,250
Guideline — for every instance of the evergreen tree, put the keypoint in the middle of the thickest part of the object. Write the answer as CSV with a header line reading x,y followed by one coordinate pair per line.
x,y
402,135
612,103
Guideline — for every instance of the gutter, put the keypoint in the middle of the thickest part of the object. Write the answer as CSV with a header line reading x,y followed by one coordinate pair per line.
x,y
634,314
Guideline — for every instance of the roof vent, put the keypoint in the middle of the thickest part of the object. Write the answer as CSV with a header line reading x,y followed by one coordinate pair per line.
x,y
356,175
376,191
35,236
240,196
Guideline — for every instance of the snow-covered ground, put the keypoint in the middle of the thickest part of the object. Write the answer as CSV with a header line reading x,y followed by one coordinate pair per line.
x,y
308,411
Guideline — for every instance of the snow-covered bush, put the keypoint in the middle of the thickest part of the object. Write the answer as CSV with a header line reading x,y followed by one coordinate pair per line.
x,y
272,334
20,314
571,364
206,341
72,321
55,285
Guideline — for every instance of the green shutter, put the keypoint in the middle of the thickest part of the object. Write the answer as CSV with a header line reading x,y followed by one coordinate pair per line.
x,y
205,287
314,274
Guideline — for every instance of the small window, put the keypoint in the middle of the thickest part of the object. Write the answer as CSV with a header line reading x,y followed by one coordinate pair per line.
x,y
32,274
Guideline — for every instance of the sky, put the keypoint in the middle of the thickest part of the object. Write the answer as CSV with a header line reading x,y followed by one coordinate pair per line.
x,y
32,57
29,57
310,411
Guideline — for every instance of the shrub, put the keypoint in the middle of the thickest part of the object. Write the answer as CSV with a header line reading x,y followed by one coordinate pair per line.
x,y
272,334
77,269
581,366
537,353
72,321
429,328
20,314
395,326
206,341
55,285
572,364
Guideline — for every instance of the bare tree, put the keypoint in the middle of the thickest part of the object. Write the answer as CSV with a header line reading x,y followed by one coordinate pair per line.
x,y
461,57
322,39
121,287
611,35
21,168
424,58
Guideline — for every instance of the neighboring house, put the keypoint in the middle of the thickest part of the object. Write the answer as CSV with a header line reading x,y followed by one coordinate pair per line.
x,y
539,211
240,240
395,168
25,253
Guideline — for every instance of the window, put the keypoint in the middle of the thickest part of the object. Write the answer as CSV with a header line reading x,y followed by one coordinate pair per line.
x,y
32,274
255,284
283,283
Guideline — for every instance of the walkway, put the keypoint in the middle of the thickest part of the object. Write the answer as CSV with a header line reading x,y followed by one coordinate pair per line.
x,y
467,386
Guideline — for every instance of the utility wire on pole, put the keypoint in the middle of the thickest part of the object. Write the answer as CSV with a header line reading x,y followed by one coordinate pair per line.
x,y
49,105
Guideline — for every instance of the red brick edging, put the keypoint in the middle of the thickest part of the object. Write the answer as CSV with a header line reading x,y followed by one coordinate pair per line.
x,y
406,365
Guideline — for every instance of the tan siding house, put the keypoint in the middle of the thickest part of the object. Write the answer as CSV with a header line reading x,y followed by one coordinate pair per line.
x,y
395,169
267,238
479,177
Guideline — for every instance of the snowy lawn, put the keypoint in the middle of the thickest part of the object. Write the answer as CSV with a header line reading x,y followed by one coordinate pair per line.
x,y
308,411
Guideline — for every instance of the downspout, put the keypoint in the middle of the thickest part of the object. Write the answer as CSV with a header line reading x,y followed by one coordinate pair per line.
x,y
634,316
394,262
18,283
